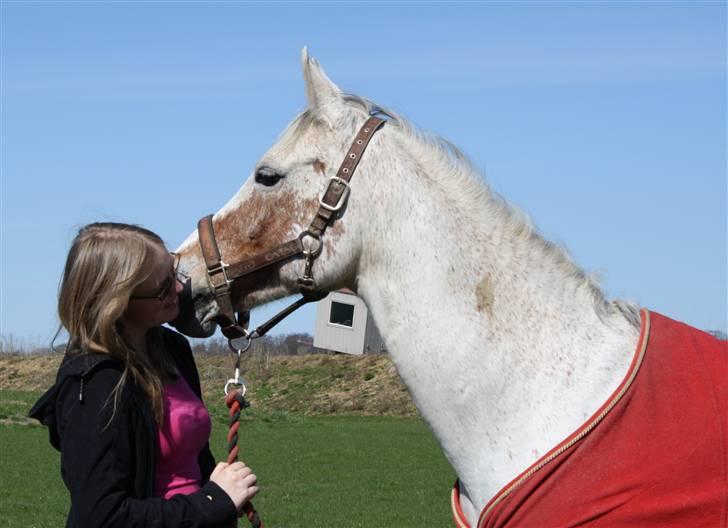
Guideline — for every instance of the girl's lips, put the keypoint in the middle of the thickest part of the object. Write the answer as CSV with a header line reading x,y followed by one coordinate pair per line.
x,y
173,308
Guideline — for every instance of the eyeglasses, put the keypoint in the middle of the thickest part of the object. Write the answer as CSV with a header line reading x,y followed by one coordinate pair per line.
x,y
166,288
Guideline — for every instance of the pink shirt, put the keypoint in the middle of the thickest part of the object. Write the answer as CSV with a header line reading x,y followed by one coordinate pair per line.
x,y
185,432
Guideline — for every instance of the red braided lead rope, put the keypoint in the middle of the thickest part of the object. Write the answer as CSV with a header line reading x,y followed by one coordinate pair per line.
x,y
236,402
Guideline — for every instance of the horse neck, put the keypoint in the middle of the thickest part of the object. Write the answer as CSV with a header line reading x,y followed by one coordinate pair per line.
x,y
504,345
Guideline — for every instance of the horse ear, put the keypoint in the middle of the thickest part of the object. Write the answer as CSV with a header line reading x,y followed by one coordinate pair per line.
x,y
322,94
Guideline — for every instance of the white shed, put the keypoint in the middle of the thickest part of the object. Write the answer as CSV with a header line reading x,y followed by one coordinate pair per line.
x,y
343,324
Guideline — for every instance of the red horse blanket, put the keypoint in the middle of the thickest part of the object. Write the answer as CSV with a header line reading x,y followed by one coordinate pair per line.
x,y
656,453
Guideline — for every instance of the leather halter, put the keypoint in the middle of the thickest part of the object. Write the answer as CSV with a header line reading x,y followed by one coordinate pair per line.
x,y
222,276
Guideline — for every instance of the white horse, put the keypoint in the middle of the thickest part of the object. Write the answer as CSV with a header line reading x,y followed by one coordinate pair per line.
x,y
506,345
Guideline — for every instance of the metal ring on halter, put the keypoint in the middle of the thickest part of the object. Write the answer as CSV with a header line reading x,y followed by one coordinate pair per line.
x,y
312,252
248,342
239,382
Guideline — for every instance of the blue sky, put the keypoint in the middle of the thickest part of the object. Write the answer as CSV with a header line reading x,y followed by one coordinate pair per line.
x,y
606,122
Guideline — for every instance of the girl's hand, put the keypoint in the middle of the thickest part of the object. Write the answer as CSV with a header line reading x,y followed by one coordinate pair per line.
x,y
237,480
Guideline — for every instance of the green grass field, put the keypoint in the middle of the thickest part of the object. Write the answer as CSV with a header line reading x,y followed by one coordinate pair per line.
x,y
338,471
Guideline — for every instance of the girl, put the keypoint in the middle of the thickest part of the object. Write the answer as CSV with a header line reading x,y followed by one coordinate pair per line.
x,y
126,410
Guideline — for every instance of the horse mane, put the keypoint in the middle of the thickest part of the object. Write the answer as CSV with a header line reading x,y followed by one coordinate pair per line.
x,y
466,187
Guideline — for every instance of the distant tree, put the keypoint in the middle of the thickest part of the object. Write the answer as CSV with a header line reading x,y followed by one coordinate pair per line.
x,y
8,344
296,342
266,346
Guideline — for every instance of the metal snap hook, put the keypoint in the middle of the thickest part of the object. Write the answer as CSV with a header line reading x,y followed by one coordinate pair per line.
x,y
237,380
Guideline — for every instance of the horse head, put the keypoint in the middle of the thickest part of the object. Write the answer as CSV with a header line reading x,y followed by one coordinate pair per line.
x,y
276,205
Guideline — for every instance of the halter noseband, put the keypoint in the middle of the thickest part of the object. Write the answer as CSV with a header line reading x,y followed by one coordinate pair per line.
x,y
222,277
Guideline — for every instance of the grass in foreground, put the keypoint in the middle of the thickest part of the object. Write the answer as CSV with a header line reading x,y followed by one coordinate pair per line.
x,y
314,472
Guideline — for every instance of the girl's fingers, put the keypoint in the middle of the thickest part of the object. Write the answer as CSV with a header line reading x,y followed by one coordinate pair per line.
x,y
248,481
243,473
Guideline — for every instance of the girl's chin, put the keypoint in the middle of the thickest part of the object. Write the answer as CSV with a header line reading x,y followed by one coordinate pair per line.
x,y
172,312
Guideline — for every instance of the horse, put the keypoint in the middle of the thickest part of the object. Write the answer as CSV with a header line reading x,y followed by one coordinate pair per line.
x,y
512,354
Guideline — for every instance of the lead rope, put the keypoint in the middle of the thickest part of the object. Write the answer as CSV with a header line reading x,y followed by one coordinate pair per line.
x,y
236,402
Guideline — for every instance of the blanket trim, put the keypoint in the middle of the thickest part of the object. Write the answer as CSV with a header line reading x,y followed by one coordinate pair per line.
x,y
579,434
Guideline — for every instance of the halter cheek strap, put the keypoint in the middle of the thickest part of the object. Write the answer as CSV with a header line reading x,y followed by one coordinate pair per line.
x,y
217,278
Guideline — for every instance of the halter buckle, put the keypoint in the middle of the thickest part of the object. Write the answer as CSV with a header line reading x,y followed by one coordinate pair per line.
x,y
342,199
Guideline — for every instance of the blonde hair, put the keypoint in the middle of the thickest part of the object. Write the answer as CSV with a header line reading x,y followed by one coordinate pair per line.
x,y
106,262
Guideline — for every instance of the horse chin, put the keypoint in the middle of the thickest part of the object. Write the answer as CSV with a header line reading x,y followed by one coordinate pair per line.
x,y
191,327
194,319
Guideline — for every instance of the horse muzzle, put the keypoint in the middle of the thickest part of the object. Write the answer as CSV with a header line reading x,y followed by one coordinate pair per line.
x,y
195,314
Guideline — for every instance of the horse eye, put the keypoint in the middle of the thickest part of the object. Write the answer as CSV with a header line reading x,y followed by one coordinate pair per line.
x,y
268,177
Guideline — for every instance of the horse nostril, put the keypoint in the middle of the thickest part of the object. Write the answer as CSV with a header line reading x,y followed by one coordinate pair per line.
x,y
196,298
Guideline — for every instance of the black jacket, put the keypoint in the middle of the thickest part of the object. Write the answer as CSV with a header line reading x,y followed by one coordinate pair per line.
x,y
110,470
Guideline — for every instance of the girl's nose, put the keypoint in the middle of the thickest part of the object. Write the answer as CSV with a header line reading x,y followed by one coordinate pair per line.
x,y
178,287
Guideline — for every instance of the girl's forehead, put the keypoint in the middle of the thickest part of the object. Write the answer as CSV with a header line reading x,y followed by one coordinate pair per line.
x,y
161,263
